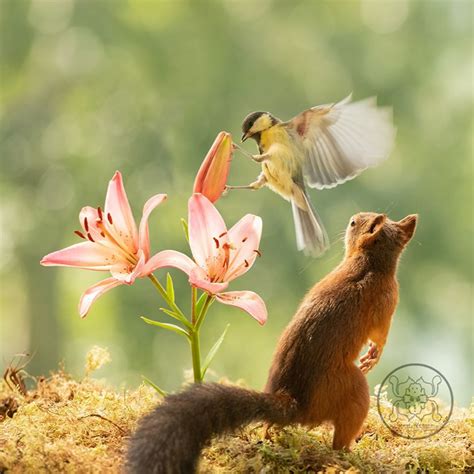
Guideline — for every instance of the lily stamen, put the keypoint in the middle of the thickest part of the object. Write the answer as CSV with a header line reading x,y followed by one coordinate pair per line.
x,y
115,243
226,247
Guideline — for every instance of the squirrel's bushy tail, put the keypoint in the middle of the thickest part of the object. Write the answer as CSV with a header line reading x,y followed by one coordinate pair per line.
x,y
170,438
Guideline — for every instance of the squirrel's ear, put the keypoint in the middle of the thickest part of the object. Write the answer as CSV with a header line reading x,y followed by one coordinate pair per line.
x,y
373,228
408,225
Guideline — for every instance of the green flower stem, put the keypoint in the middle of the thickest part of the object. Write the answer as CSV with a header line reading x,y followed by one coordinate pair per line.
x,y
193,326
203,313
196,355
194,339
197,320
193,304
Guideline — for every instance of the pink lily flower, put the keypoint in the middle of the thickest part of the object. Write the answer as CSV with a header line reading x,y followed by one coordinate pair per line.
x,y
220,255
212,175
112,243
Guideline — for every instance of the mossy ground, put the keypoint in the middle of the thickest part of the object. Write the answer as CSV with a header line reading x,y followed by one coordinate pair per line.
x,y
65,425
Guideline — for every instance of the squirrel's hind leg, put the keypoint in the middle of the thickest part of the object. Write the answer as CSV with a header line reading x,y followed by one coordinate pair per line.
x,y
352,410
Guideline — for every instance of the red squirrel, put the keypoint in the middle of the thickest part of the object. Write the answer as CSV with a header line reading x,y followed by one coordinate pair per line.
x,y
313,376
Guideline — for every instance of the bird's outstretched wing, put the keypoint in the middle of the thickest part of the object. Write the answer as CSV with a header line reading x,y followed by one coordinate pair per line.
x,y
341,140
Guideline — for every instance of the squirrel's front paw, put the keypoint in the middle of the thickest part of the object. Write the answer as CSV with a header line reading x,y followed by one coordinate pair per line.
x,y
369,359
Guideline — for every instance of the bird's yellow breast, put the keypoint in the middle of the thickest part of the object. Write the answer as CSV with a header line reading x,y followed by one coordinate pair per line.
x,y
272,135
283,162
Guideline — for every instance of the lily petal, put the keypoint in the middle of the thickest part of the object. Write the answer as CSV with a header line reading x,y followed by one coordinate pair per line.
x,y
143,233
93,292
212,175
205,225
199,279
88,217
168,258
245,239
87,255
118,213
137,271
246,300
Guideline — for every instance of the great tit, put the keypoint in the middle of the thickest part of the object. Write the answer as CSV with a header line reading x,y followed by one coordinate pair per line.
x,y
323,146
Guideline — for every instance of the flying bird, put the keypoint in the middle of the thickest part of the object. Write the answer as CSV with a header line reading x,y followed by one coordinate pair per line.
x,y
321,147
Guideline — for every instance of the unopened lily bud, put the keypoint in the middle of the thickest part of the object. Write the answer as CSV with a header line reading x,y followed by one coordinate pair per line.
x,y
212,175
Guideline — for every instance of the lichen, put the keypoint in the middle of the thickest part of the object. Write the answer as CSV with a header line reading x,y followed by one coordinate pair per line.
x,y
66,425
96,358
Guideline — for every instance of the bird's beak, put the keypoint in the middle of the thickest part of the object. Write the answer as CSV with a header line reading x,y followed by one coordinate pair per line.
x,y
245,136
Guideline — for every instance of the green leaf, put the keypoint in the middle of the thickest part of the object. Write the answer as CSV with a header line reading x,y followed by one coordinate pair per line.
x,y
162,392
169,327
213,352
169,287
200,303
177,316
171,313
184,223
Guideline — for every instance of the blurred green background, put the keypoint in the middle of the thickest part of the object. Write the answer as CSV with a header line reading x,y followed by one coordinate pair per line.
x,y
88,87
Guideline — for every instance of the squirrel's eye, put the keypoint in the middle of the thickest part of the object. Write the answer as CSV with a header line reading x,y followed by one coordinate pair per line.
x,y
353,223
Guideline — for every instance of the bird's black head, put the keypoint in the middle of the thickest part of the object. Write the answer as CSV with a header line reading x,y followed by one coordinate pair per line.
x,y
256,122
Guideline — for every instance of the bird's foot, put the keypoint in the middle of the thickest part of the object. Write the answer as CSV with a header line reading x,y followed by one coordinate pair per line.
x,y
260,158
228,188
242,150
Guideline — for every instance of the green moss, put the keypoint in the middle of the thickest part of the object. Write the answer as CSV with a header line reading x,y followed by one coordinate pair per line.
x,y
66,425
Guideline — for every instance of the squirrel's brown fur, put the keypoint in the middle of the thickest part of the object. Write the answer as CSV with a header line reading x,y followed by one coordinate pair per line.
x,y
313,377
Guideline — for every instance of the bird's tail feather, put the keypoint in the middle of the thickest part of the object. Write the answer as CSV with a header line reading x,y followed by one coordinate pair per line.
x,y
170,438
311,237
